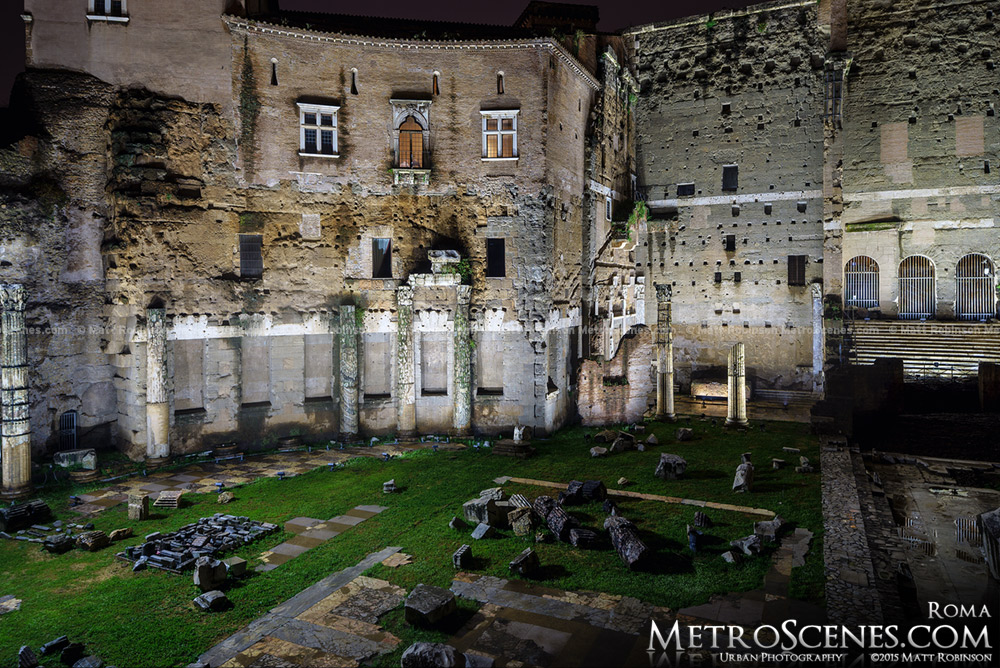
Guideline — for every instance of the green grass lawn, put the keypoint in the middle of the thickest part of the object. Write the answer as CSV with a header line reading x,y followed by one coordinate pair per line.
x,y
146,618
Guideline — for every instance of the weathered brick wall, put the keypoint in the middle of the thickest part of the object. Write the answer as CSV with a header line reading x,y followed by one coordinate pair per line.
x,y
743,88
920,125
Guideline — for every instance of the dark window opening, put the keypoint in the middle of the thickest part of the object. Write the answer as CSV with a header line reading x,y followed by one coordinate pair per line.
x,y
251,256
496,266
767,210
500,83
718,277
737,277
435,90
730,177
797,269
411,144
381,258
354,82
685,189
274,74
729,241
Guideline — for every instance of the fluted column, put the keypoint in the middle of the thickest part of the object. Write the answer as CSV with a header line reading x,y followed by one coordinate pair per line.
x,y
406,398
157,405
463,363
664,354
15,430
819,337
348,372
737,401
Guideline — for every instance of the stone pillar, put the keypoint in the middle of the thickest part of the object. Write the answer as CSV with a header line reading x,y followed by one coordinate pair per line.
x,y
406,398
463,363
737,401
664,354
348,372
819,337
157,406
15,430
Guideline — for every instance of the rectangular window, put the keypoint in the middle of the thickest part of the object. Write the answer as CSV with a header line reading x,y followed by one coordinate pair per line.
x,y
797,269
730,177
107,10
729,241
496,261
608,208
381,258
685,189
317,130
499,134
251,256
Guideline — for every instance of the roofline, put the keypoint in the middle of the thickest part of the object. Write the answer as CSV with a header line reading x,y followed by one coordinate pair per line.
x,y
724,14
552,46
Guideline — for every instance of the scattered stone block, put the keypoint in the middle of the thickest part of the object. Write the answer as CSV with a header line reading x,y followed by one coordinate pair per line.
x,y
792,451
89,662
777,463
693,534
745,458
702,520
684,434
769,529
212,601
138,506
462,558
622,444
652,440
573,495
522,521
543,537
209,573
71,653
140,564
53,646
583,538
525,564
731,557
624,482
749,545
483,531
92,541
670,467
427,605
594,490
499,519
120,534
625,539
743,481
804,466
606,436
389,487
60,543
226,497
519,501
641,447
598,451
458,524
235,566
87,458
495,493
482,511
23,515
543,505
26,658
432,655
610,507
560,522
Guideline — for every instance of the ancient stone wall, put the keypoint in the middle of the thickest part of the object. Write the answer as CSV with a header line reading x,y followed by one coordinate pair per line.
x,y
922,139
619,389
730,153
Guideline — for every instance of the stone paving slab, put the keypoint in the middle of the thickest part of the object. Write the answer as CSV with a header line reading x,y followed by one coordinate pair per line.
x,y
265,626
300,524
372,509
348,520
318,533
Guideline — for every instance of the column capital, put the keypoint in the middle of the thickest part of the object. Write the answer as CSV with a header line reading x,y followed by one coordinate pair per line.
x,y
155,316
464,294
12,297
816,289
664,292
404,295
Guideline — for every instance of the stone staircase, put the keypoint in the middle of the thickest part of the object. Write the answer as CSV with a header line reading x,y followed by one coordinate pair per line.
x,y
940,350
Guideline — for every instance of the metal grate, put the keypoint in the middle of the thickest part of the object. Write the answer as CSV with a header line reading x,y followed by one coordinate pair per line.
x,y
916,288
251,256
861,282
67,431
976,294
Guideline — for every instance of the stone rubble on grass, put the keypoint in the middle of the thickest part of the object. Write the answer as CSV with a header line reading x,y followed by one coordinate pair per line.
x,y
598,451
777,463
702,520
59,543
652,440
120,534
769,529
212,601
138,506
458,524
483,530
209,573
389,486
731,557
522,521
462,558
26,658
525,564
749,545
743,481
624,482
625,539
583,538
71,653
684,434
606,436
804,466
427,605
225,497
54,646
670,467
235,566
610,507
89,662
92,541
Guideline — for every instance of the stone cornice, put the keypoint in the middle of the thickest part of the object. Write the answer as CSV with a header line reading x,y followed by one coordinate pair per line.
x,y
240,24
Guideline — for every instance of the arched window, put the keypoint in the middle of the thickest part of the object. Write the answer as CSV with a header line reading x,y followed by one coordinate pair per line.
x,y
975,297
916,288
411,144
861,282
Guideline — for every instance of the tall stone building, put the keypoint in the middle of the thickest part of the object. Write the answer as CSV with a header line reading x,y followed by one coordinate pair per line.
x,y
247,223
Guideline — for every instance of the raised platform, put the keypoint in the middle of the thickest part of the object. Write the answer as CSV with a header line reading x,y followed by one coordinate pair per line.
x,y
509,448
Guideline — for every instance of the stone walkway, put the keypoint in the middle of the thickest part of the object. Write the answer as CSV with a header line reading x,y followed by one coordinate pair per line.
x,y
201,477
310,533
647,497
332,623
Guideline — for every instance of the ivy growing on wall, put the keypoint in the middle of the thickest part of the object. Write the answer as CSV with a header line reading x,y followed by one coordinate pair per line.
x,y
249,110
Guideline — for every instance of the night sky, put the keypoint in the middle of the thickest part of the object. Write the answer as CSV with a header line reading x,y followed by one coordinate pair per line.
x,y
615,14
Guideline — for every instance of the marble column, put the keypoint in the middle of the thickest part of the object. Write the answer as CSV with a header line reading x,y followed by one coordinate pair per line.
x,y
157,404
737,402
406,398
664,355
348,372
15,430
819,337
462,382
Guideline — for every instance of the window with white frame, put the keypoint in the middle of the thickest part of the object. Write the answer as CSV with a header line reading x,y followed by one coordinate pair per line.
x,y
318,130
499,135
608,203
107,10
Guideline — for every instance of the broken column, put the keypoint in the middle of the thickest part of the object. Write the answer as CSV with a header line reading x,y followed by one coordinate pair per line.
x,y
348,372
406,417
15,430
664,355
737,400
819,338
463,362
157,406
